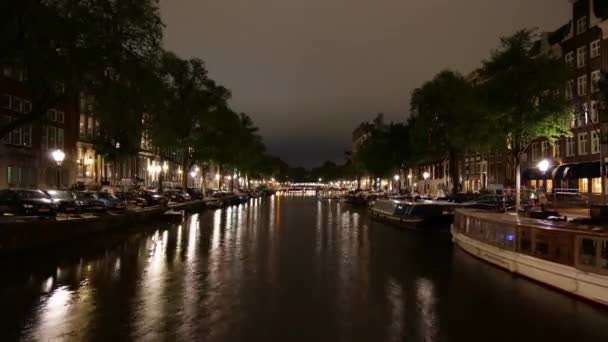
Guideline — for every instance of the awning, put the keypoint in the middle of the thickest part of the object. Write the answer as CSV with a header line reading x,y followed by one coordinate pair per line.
x,y
578,170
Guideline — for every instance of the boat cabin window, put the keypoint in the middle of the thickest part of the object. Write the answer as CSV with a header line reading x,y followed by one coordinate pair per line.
x,y
426,210
401,209
587,252
525,240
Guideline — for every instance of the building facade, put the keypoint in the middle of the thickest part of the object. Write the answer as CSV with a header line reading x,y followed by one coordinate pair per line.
x,y
25,153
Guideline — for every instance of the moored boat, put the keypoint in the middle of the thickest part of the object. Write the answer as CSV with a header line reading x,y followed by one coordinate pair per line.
x,y
422,216
569,256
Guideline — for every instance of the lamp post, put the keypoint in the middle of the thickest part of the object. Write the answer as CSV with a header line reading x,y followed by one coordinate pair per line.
x,y
426,176
397,177
58,157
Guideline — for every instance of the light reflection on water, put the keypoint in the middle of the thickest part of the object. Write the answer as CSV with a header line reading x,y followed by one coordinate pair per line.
x,y
281,269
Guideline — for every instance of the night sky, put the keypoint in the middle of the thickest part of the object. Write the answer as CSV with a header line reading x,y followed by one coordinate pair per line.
x,y
309,71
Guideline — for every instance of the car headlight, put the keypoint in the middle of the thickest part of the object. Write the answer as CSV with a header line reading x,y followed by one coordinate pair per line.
x,y
28,206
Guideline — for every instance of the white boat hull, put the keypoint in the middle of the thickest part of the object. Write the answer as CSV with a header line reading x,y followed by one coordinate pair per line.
x,y
591,286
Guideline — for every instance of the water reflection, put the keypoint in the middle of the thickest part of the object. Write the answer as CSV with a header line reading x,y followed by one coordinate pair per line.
x,y
280,268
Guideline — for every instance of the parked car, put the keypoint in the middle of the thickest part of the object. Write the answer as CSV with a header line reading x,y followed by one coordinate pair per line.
x,y
111,202
89,202
177,196
65,201
154,198
26,203
132,198
492,202
195,194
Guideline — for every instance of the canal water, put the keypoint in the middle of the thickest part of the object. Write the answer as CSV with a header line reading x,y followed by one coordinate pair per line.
x,y
280,269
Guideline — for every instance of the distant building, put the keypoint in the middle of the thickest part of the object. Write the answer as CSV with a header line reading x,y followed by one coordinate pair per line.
x,y
364,131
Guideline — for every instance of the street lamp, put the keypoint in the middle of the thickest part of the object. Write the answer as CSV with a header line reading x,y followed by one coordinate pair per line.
x,y
397,177
543,166
426,176
58,157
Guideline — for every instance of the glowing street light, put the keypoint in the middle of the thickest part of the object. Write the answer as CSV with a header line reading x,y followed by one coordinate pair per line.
x,y
426,176
193,174
543,165
58,157
396,177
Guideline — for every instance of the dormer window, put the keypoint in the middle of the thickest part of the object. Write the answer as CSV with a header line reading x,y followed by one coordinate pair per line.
x,y
581,25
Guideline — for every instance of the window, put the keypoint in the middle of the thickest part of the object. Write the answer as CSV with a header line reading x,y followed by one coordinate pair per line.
x,y
583,185
90,127
60,117
595,143
581,117
544,149
581,56
52,115
594,112
569,59
82,126
13,175
534,151
17,104
60,138
27,107
27,136
595,48
4,120
16,137
557,149
52,135
587,251
596,185
582,85
5,101
569,90
582,143
595,79
569,147
581,25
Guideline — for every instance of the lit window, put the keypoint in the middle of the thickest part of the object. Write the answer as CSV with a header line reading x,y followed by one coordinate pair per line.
x,y
596,185
557,152
595,48
582,85
581,25
595,80
583,184
27,136
582,143
569,59
581,56
82,126
595,143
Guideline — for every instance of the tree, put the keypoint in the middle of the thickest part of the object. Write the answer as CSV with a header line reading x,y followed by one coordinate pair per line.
x,y
445,120
61,47
524,93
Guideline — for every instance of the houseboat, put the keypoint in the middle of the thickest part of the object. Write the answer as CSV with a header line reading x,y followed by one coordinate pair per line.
x,y
568,256
414,215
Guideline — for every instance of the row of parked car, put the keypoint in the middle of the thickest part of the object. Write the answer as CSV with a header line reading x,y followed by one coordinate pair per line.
x,y
27,202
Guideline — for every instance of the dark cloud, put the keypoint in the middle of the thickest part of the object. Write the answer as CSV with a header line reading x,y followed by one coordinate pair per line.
x,y
309,71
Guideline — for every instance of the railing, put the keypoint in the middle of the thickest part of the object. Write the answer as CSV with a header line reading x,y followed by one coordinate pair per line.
x,y
583,250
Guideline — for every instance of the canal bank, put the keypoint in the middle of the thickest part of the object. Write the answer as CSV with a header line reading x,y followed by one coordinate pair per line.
x,y
21,236
281,269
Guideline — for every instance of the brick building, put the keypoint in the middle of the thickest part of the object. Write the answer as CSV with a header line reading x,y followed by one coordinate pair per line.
x,y
25,153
